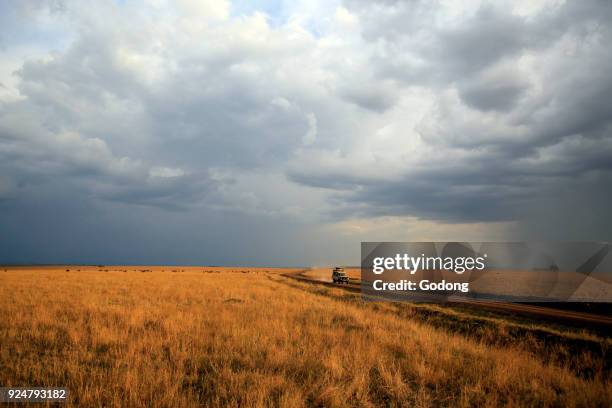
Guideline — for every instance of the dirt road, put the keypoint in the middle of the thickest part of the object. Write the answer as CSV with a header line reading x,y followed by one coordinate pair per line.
x,y
568,317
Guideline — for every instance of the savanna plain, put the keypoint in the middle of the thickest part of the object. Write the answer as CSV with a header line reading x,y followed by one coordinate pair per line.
x,y
144,336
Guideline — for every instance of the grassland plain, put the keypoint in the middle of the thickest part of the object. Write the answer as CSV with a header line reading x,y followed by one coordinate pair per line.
x,y
153,336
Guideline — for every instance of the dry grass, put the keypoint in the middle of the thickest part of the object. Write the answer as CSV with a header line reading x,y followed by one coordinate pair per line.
x,y
255,339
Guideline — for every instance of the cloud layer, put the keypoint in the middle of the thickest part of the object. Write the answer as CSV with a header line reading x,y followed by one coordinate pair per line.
x,y
276,123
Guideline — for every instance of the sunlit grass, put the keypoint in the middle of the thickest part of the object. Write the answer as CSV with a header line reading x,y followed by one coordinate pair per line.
x,y
256,339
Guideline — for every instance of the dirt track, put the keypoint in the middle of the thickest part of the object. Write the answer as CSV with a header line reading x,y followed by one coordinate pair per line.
x,y
567,317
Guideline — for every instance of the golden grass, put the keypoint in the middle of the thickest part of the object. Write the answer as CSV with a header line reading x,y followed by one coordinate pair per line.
x,y
254,339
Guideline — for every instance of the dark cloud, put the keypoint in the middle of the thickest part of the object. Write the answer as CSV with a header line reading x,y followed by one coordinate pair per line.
x,y
480,41
60,225
377,97
497,92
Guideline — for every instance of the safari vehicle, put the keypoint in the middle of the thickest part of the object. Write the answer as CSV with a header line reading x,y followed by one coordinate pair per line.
x,y
339,276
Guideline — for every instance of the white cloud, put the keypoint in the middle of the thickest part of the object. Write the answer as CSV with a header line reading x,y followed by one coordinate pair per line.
x,y
205,9
345,18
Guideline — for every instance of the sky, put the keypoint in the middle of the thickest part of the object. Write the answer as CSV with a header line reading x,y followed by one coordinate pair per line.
x,y
284,133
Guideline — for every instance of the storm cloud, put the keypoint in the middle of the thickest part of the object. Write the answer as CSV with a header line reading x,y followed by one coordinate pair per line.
x,y
220,132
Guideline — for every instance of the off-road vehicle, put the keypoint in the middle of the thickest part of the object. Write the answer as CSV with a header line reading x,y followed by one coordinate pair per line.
x,y
339,276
